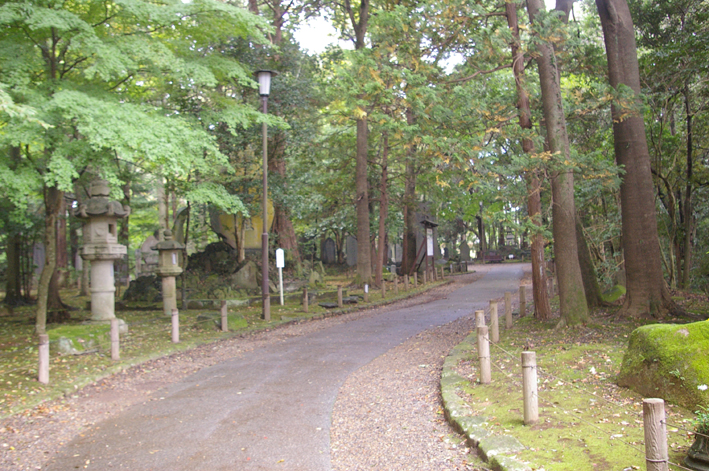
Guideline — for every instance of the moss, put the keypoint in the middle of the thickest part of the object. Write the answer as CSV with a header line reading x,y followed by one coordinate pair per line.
x,y
668,361
81,335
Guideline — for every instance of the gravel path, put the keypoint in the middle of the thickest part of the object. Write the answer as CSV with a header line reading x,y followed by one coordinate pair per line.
x,y
387,416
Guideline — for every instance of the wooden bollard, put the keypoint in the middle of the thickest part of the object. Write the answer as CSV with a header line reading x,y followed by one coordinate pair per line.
x,y
494,323
406,282
305,299
339,297
115,341
175,326
656,457
522,301
479,318
366,293
425,277
225,318
43,364
484,356
443,275
384,289
529,388
396,286
508,310
416,280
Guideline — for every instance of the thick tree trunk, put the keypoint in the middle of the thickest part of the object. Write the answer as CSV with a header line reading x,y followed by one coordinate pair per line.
x,y
571,293
542,309
52,203
647,294
282,224
364,267
383,213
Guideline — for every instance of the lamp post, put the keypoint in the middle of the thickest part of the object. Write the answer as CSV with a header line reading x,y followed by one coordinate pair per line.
x,y
264,85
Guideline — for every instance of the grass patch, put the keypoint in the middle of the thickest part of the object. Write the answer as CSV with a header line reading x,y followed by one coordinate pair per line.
x,y
585,420
148,337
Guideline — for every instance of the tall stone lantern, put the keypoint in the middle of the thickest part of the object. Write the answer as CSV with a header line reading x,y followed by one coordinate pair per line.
x,y
101,247
168,268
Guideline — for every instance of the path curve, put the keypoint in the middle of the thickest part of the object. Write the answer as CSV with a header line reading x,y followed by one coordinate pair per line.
x,y
269,406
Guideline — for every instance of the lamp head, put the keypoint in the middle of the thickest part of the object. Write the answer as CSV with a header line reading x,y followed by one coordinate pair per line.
x,y
264,81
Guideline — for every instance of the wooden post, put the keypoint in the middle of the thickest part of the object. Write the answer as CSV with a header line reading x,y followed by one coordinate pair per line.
x,y
115,341
396,286
43,366
484,355
443,275
339,297
384,289
406,282
529,388
366,293
494,323
508,310
656,457
479,318
522,301
225,319
416,280
425,277
305,299
175,326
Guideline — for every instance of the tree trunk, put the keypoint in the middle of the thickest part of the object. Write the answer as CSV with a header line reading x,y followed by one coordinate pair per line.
x,y
542,309
688,205
588,271
364,267
383,212
647,295
572,298
52,203
408,259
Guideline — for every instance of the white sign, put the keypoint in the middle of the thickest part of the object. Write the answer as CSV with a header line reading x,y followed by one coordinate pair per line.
x,y
280,259
429,242
366,288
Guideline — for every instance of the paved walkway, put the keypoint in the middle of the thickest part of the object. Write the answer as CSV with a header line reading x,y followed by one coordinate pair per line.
x,y
268,403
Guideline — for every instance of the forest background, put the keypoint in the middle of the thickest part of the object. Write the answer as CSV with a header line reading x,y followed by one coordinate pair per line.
x,y
582,131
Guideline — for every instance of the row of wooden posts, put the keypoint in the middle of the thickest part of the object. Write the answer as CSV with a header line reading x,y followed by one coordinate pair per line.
x,y
43,364
340,299
656,451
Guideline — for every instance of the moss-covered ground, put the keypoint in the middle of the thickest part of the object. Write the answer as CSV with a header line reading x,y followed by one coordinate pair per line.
x,y
586,422
148,337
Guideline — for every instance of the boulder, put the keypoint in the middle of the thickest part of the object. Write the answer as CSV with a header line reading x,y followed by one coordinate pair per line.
x,y
247,277
669,361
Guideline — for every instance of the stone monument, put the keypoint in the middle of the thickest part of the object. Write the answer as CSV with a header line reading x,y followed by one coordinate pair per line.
x,y
168,268
101,247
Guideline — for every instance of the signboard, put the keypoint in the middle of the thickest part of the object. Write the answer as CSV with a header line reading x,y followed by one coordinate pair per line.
x,y
429,242
280,259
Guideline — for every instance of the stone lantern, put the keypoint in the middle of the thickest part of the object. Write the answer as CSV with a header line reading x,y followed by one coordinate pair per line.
x,y
168,268
101,247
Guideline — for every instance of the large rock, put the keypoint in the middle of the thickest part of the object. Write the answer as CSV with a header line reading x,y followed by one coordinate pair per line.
x,y
247,277
669,361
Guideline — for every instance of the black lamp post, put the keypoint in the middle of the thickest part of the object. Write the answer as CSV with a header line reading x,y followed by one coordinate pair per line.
x,y
264,84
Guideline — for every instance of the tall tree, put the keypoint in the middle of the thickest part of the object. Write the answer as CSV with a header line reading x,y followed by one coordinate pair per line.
x,y
574,309
647,294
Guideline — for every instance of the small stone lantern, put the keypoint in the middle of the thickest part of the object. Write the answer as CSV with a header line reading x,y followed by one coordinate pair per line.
x,y
168,268
101,247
